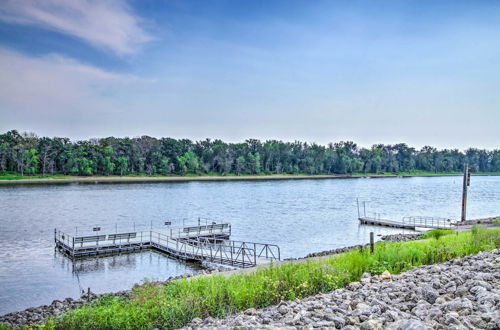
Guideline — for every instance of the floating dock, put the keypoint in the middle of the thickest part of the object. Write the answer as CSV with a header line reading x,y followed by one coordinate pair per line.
x,y
412,223
208,243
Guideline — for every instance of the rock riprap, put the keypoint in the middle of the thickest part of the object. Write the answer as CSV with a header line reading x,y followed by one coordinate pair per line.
x,y
459,294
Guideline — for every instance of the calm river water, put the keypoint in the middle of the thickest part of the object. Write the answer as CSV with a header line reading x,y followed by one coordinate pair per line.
x,y
301,216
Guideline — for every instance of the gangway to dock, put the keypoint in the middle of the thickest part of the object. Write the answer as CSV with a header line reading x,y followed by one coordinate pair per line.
x,y
208,243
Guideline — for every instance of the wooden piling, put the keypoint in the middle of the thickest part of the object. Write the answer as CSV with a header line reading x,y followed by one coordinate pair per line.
x,y
372,242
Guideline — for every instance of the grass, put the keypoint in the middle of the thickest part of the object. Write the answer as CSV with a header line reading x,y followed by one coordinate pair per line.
x,y
436,233
14,176
176,303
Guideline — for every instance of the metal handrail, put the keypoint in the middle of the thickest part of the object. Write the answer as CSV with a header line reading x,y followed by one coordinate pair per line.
x,y
428,221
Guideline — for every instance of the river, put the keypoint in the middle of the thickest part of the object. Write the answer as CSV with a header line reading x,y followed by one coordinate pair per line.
x,y
301,216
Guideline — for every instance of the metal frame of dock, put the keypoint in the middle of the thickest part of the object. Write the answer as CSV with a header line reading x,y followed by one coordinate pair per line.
x,y
208,243
412,223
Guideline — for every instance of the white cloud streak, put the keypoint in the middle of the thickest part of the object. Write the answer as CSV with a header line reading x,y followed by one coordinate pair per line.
x,y
54,91
108,24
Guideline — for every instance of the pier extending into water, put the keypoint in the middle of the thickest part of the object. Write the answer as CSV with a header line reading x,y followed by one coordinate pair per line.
x,y
208,243
412,223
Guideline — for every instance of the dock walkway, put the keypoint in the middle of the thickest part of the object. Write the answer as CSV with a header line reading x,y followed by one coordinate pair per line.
x,y
412,223
196,243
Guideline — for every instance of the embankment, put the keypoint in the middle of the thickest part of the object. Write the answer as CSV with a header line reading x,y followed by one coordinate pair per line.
x,y
460,294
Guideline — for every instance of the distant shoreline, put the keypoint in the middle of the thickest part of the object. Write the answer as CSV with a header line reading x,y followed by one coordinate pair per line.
x,y
153,179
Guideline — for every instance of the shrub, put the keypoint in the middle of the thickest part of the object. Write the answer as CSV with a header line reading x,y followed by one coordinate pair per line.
x,y
436,233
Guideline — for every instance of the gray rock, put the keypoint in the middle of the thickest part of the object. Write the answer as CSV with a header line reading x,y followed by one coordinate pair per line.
x,y
451,319
338,321
413,325
429,294
372,324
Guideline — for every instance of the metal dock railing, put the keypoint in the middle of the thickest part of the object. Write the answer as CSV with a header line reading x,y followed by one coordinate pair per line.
x,y
196,243
412,222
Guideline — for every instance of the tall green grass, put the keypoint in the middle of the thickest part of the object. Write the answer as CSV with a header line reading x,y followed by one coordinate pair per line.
x,y
436,233
177,303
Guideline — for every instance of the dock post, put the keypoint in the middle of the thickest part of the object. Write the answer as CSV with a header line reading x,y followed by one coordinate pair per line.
x,y
255,254
364,209
372,244
464,191
357,203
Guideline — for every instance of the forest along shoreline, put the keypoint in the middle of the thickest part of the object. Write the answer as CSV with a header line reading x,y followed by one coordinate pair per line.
x,y
160,179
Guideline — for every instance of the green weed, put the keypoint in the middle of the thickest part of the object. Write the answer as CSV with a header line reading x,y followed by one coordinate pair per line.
x,y
436,233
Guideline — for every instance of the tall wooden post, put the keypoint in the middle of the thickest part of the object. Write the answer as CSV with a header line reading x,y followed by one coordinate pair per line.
x,y
372,242
464,191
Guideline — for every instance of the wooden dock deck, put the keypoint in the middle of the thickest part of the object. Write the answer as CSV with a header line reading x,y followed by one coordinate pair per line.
x,y
196,243
412,223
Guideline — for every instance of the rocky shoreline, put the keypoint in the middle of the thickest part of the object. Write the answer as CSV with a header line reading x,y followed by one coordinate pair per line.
x,y
38,315
490,220
460,294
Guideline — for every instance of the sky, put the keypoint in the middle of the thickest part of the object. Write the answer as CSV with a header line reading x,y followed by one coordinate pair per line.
x,y
420,72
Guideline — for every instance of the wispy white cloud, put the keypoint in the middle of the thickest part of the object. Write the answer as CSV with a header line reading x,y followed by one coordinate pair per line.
x,y
54,91
109,24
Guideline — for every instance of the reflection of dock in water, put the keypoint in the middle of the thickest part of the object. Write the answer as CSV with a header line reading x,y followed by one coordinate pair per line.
x,y
209,243
90,265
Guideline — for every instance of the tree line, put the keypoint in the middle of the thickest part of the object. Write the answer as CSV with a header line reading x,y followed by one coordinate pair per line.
x,y
28,154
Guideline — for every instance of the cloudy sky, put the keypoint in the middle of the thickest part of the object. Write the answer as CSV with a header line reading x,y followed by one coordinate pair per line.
x,y
420,72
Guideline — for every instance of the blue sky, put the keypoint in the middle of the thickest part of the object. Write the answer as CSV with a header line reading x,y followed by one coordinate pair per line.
x,y
420,72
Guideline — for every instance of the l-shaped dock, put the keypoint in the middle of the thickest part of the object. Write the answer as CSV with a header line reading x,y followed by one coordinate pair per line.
x,y
208,243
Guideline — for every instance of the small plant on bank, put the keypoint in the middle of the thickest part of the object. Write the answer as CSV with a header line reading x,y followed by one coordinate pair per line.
x,y
436,233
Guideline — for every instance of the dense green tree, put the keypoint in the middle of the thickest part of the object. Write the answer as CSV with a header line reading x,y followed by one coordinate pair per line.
x,y
31,161
122,165
25,153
